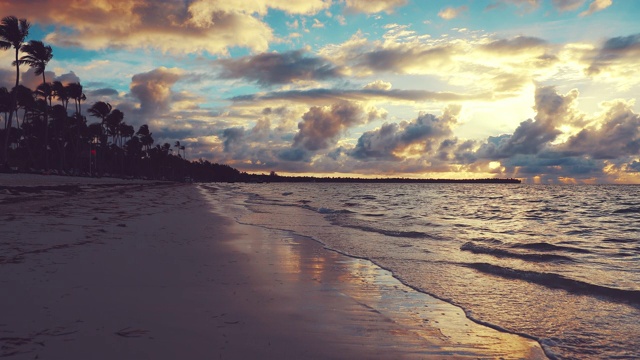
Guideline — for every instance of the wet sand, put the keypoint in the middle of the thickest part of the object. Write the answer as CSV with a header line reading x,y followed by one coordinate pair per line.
x,y
113,269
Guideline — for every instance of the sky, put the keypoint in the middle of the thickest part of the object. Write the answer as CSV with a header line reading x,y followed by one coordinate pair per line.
x,y
540,90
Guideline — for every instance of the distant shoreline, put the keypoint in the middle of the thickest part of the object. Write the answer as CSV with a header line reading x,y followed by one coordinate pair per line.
x,y
305,179
256,178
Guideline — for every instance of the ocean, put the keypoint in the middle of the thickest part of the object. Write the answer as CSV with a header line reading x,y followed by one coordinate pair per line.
x,y
556,263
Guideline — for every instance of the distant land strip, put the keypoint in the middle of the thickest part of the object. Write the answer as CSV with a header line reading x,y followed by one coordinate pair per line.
x,y
303,179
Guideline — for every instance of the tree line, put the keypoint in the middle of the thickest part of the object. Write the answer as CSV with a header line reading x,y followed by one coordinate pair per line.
x,y
46,130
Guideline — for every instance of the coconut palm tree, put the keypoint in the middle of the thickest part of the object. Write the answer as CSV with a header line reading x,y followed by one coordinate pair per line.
x,y
126,131
13,32
61,93
145,136
74,91
100,110
37,57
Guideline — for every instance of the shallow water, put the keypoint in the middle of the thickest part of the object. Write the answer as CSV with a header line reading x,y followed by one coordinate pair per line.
x,y
555,263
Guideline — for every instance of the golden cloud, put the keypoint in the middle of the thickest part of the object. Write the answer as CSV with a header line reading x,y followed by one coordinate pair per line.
x,y
168,26
374,6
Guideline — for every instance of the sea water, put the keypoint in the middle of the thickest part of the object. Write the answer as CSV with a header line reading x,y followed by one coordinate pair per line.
x,y
559,264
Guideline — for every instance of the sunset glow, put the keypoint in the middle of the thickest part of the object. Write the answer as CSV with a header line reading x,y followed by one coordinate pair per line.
x,y
541,90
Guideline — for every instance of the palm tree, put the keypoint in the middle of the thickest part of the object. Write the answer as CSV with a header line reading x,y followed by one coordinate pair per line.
x,y
145,136
112,124
74,91
179,147
13,32
38,56
5,103
100,110
60,92
126,132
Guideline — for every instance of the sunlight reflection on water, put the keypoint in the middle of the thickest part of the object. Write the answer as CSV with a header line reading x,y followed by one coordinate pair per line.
x,y
559,263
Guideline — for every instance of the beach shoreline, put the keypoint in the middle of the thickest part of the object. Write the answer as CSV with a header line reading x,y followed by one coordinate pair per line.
x,y
117,269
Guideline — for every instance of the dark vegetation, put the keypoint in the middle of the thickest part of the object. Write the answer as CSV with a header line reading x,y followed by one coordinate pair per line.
x,y
46,131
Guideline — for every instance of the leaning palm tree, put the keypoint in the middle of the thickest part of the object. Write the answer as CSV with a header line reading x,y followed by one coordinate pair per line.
x,y
101,110
13,32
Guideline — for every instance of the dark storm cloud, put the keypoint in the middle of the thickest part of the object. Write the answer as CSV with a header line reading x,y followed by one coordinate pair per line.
x,y
279,68
615,51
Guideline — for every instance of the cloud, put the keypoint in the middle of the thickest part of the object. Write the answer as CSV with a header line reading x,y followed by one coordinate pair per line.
x,y
603,151
7,78
392,140
533,135
616,134
279,68
452,13
543,147
568,5
153,89
232,136
104,92
30,79
373,6
321,96
486,64
516,44
530,4
179,27
320,126
68,78
378,85
597,5
617,56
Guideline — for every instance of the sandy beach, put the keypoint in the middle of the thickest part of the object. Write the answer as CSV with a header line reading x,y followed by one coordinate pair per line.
x,y
117,269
